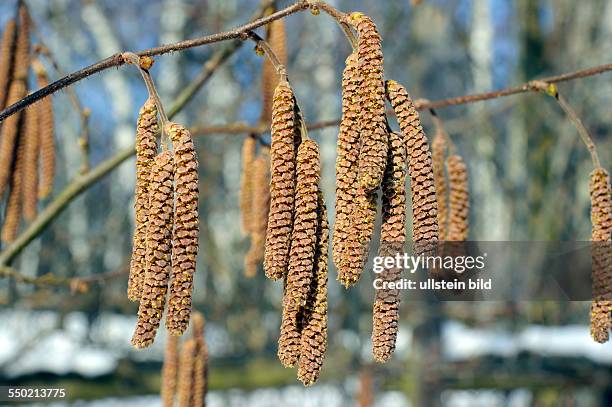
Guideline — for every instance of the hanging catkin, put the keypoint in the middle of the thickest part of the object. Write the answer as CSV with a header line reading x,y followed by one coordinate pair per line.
x,y
47,140
7,48
424,201
282,185
459,202
159,234
261,206
346,169
185,375
304,235
17,90
373,131
277,38
14,206
438,154
385,313
302,253
314,325
200,364
601,220
146,148
169,371
246,183
185,235
30,162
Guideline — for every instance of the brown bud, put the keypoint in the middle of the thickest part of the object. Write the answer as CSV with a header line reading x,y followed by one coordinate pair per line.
x,y
185,375
146,149
277,38
30,162
169,371
424,201
303,237
7,52
346,168
601,219
260,209
282,185
185,235
159,234
47,141
314,315
459,199
246,183
438,150
371,91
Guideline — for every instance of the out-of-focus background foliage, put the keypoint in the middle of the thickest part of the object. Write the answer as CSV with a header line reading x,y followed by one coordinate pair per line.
x,y
528,178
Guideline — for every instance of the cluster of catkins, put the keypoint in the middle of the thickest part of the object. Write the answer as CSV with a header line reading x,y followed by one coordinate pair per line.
x,y
185,370
165,242
27,147
296,242
601,238
372,157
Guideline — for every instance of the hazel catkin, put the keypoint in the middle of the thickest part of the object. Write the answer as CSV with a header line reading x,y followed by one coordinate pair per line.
x,y
30,162
314,325
424,202
146,148
169,371
14,206
200,365
346,168
601,220
7,49
260,207
459,202
47,138
159,234
185,374
185,235
372,124
438,154
246,183
282,185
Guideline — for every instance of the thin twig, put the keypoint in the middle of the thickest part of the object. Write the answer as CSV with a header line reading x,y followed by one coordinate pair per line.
x,y
266,48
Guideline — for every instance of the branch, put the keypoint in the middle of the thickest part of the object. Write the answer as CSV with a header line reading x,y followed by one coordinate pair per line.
x,y
117,60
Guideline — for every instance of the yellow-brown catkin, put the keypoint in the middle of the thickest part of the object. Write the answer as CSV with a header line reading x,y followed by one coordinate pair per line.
x,y
185,375
424,202
373,131
277,38
346,169
30,163
169,371
186,223
7,49
261,206
439,148
601,220
17,90
304,235
246,184
146,149
314,315
282,185
47,138
302,254
459,199
14,206
385,312
159,234
200,365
